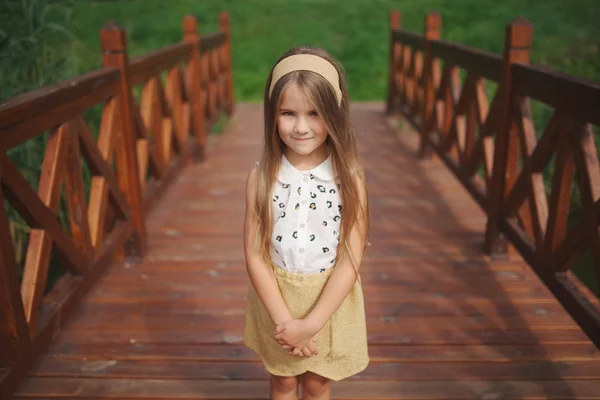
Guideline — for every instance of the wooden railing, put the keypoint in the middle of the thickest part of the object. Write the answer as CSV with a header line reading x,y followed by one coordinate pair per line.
x,y
138,150
493,149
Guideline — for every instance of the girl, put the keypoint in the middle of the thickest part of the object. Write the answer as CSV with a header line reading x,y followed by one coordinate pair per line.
x,y
305,230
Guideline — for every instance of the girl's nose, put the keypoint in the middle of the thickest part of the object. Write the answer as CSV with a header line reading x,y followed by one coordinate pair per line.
x,y
302,125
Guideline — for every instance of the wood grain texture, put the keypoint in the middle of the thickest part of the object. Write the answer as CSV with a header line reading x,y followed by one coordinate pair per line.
x,y
445,321
520,217
114,216
14,332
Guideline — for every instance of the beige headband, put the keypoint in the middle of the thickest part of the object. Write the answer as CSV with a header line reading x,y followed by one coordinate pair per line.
x,y
307,62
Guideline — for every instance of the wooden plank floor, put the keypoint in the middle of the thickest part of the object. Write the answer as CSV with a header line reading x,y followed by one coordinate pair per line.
x,y
444,322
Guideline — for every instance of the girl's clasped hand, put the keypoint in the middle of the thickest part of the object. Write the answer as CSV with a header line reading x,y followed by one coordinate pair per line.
x,y
305,231
298,337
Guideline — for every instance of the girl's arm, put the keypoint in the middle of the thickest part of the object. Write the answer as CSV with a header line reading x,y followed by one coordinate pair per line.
x,y
261,275
336,290
339,284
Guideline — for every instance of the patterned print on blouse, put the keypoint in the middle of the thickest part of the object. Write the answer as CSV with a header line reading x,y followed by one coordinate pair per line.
x,y
314,198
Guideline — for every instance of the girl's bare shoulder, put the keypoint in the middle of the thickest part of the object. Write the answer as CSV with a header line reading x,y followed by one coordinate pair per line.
x,y
252,176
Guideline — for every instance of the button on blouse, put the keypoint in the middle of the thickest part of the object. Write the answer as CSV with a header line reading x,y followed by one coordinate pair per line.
x,y
307,217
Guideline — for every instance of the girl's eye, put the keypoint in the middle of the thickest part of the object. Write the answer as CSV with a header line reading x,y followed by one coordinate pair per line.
x,y
288,113
314,114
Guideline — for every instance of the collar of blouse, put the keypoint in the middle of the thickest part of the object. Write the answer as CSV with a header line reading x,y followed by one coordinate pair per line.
x,y
289,174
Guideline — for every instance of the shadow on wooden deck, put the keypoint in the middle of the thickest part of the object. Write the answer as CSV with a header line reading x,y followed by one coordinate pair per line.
x,y
445,322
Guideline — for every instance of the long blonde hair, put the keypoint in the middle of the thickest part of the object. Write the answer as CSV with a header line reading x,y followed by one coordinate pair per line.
x,y
341,141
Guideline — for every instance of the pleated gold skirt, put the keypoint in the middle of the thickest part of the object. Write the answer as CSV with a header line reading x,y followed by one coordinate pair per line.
x,y
342,343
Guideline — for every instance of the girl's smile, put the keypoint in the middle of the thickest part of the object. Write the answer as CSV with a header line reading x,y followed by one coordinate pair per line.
x,y
297,241
301,129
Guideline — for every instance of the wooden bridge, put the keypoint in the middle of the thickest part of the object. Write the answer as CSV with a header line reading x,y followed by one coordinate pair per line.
x,y
467,278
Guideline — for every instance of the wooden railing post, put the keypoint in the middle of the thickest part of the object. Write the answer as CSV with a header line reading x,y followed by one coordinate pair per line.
x,y
14,331
225,26
433,24
114,46
517,46
392,101
194,85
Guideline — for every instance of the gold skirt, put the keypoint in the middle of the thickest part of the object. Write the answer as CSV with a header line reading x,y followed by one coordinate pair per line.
x,y
342,343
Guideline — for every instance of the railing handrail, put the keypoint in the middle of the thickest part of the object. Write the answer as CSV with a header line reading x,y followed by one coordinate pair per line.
x,y
148,144
448,116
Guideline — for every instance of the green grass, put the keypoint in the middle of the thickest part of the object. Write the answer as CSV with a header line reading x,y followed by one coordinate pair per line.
x,y
35,45
566,33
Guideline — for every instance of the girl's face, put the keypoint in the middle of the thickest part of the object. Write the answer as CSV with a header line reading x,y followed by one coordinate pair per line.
x,y
300,127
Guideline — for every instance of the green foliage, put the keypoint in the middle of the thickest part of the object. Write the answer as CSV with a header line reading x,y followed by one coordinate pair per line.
x,y
35,45
566,35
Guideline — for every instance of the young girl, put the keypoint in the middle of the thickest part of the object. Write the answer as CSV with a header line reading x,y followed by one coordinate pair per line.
x,y
305,231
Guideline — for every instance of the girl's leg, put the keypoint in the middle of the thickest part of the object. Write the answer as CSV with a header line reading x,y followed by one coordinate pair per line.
x,y
315,387
284,387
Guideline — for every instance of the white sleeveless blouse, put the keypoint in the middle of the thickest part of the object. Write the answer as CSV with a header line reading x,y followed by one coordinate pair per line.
x,y
307,217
